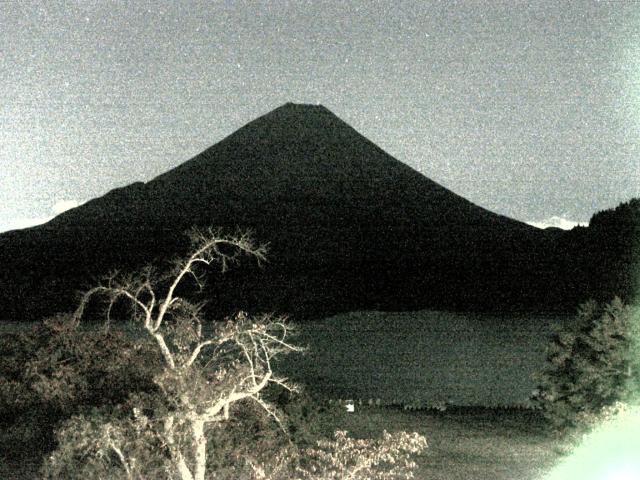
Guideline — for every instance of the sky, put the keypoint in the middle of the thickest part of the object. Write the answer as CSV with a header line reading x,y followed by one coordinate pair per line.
x,y
529,109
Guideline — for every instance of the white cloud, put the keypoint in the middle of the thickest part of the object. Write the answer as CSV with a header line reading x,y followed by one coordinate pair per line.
x,y
63,205
56,209
558,222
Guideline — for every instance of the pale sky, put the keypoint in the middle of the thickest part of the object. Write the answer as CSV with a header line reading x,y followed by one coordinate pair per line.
x,y
529,109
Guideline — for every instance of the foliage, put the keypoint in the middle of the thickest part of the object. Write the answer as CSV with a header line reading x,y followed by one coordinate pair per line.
x,y
382,459
341,457
309,417
55,369
590,366
250,438
62,366
606,415
611,257
107,443
252,433
634,354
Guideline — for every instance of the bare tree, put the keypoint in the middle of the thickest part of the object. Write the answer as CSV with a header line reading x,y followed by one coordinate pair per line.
x,y
207,368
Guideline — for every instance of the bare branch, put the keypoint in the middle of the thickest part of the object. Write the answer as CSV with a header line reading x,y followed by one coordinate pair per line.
x,y
196,351
270,410
236,396
284,383
121,457
207,250
242,348
166,353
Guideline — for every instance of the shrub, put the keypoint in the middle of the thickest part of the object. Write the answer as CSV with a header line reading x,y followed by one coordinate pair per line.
x,y
109,442
590,366
55,370
308,418
386,458
380,459
249,442
252,434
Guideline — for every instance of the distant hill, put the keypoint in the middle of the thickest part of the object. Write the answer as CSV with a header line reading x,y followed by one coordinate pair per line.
x,y
603,260
349,228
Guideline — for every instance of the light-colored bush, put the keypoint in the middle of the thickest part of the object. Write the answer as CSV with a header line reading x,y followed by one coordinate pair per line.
x,y
387,458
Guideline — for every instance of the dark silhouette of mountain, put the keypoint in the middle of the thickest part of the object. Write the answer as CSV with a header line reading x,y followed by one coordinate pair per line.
x,y
606,255
349,228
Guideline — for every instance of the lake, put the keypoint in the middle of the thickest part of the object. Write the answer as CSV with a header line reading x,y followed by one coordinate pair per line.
x,y
424,358
420,359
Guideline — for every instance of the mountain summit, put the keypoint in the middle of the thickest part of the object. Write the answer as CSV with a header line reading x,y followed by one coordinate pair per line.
x,y
349,228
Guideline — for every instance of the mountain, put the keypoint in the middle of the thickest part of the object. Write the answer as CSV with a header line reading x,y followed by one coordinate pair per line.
x,y
603,260
349,228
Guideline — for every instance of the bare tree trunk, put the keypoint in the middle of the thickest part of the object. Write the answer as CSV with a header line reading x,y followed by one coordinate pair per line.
x,y
200,444
183,469
166,353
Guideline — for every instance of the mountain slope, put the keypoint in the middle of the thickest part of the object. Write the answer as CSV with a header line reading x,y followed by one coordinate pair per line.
x,y
349,227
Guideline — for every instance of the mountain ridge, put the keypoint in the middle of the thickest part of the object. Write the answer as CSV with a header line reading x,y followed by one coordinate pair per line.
x,y
350,228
